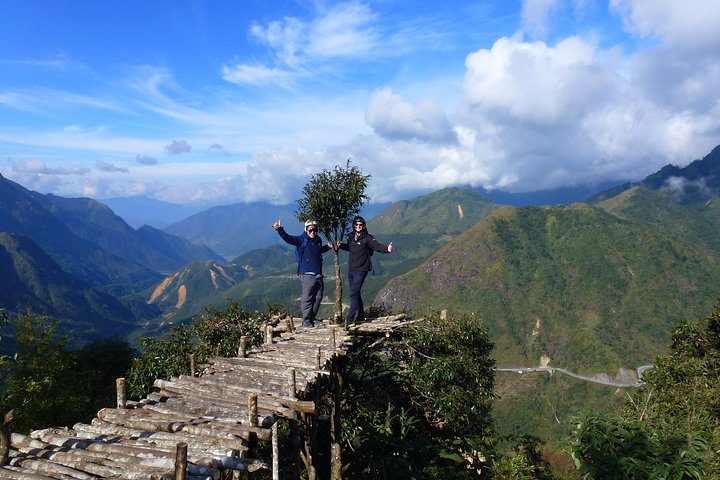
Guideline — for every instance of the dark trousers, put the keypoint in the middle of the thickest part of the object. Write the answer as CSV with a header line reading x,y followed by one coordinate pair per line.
x,y
313,289
356,304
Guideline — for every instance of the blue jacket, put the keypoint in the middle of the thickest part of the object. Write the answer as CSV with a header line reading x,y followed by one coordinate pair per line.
x,y
308,251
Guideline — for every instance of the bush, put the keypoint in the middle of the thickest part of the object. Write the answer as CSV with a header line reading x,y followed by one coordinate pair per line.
x,y
213,333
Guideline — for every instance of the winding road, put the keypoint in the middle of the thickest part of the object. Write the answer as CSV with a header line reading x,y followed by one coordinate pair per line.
x,y
521,370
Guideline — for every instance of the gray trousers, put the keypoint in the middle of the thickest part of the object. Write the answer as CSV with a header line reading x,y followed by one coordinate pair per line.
x,y
313,289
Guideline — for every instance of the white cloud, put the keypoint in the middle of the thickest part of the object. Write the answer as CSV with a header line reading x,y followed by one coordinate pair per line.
x,y
109,167
534,82
178,147
341,31
534,16
258,75
345,30
690,24
526,115
146,160
393,118
36,166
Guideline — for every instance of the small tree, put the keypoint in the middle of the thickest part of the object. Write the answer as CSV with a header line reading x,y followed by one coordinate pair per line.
x,y
333,198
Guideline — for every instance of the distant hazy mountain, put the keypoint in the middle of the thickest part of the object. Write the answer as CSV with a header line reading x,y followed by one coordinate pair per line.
x,y
142,210
32,279
232,230
557,196
22,213
147,246
697,183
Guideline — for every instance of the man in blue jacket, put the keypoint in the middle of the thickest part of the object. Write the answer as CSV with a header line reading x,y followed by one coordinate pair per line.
x,y
308,252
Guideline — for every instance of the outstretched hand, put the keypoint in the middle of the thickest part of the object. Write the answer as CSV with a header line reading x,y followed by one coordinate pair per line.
x,y
390,247
276,225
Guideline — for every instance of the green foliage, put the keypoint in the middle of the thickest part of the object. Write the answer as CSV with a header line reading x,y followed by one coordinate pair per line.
x,y
404,415
451,373
522,459
587,289
163,357
215,332
3,321
37,382
449,211
671,427
610,447
333,198
219,332
96,367
49,384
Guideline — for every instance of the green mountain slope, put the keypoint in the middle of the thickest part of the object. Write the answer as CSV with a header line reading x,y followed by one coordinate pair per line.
x,y
23,214
147,246
691,222
31,279
574,283
250,279
446,212
417,228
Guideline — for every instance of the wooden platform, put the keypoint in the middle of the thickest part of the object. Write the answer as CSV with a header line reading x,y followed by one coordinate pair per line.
x,y
218,414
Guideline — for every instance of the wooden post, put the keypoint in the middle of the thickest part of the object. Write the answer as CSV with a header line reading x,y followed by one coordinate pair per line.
x,y
253,410
236,475
292,391
335,450
310,444
181,461
5,435
289,325
242,349
275,452
268,334
120,390
319,356
334,339
192,364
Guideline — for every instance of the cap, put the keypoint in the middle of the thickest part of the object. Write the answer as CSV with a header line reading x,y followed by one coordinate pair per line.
x,y
359,219
310,223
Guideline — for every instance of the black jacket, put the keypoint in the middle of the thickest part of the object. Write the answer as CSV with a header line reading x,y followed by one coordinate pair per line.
x,y
361,249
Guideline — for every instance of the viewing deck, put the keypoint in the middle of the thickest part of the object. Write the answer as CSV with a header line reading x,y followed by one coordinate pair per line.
x,y
202,425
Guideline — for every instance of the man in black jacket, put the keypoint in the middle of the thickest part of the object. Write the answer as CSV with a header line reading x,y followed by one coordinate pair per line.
x,y
361,246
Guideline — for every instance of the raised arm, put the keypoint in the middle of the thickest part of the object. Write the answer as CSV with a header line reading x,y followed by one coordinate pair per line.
x,y
379,247
284,235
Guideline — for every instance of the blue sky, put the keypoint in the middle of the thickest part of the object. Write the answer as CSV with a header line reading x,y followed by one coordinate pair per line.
x,y
227,101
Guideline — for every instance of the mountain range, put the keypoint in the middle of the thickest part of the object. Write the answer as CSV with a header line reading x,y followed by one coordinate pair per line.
x,y
75,259
536,273
232,230
32,279
592,286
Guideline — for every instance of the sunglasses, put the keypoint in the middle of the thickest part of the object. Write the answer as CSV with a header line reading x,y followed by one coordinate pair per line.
x,y
359,223
312,230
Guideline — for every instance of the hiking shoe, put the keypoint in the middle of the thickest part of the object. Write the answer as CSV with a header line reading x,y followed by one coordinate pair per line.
x,y
308,323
